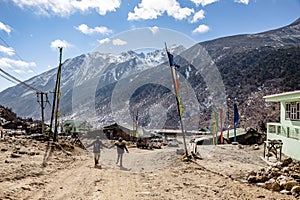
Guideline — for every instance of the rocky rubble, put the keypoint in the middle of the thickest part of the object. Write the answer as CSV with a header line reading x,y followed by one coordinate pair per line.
x,y
283,177
22,157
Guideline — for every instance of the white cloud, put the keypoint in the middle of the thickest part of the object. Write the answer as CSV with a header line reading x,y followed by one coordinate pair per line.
x,y
59,43
7,62
103,41
198,16
242,1
7,50
201,29
5,28
154,29
67,7
98,29
101,6
203,2
119,42
151,9
19,71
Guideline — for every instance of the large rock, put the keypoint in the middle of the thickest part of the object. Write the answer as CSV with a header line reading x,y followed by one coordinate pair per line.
x,y
286,162
255,147
285,169
272,185
283,180
295,175
290,184
262,178
251,173
252,179
285,192
15,155
296,190
180,151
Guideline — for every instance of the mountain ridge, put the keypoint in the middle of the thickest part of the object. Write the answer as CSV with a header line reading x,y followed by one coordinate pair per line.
x,y
240,54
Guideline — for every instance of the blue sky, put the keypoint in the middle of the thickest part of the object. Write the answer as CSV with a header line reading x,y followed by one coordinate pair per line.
x,y
32,30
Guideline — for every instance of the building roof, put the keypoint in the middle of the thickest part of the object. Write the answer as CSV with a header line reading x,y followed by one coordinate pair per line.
x,y
239,132
286,96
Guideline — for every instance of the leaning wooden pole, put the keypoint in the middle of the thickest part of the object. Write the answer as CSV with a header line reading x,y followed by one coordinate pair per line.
x,y
178,97
58,95
53,107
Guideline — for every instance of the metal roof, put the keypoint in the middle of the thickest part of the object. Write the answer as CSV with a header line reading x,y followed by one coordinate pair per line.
x,y
286,96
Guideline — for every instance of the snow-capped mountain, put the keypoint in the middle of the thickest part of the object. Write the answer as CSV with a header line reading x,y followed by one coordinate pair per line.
x,y
104,88
81,76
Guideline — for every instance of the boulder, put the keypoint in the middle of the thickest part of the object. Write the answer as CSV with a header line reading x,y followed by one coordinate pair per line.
x,y
286,162
4,149
31,153
180,151
290,184
295,190
262,178
260,184
22,152
272,185
285,192
295,175
273,174
251,173
256,147
15,155
252,179
285,169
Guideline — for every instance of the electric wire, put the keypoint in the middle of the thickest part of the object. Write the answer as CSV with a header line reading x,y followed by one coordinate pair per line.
x,y
20,82
7,45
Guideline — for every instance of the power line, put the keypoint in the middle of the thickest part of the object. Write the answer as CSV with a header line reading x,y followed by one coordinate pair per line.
x,y
7,45
40,94
21,82
8,79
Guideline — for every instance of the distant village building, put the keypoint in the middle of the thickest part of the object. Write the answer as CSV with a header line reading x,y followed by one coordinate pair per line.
x,y
75,126
169,133
288,129
114,131
11,125
126,131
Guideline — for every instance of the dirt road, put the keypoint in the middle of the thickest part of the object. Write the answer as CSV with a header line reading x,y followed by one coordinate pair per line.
x,y
147,174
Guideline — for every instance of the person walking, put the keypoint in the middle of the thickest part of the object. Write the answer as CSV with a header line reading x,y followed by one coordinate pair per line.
x,y
121,147
97,145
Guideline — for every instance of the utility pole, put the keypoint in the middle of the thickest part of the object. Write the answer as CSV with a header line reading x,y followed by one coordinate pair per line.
x,y
41,101
132,133
56,98
137,124
58,95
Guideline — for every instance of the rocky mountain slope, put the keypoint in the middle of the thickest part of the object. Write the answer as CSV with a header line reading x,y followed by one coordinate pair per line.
x,y
104,88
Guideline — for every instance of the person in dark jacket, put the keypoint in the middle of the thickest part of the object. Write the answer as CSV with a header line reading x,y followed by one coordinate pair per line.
x,y
121,147
97,145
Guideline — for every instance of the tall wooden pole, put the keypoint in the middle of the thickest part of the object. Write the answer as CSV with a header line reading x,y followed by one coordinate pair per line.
x,y
221,126
58,95
42,107
174,75
178,98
